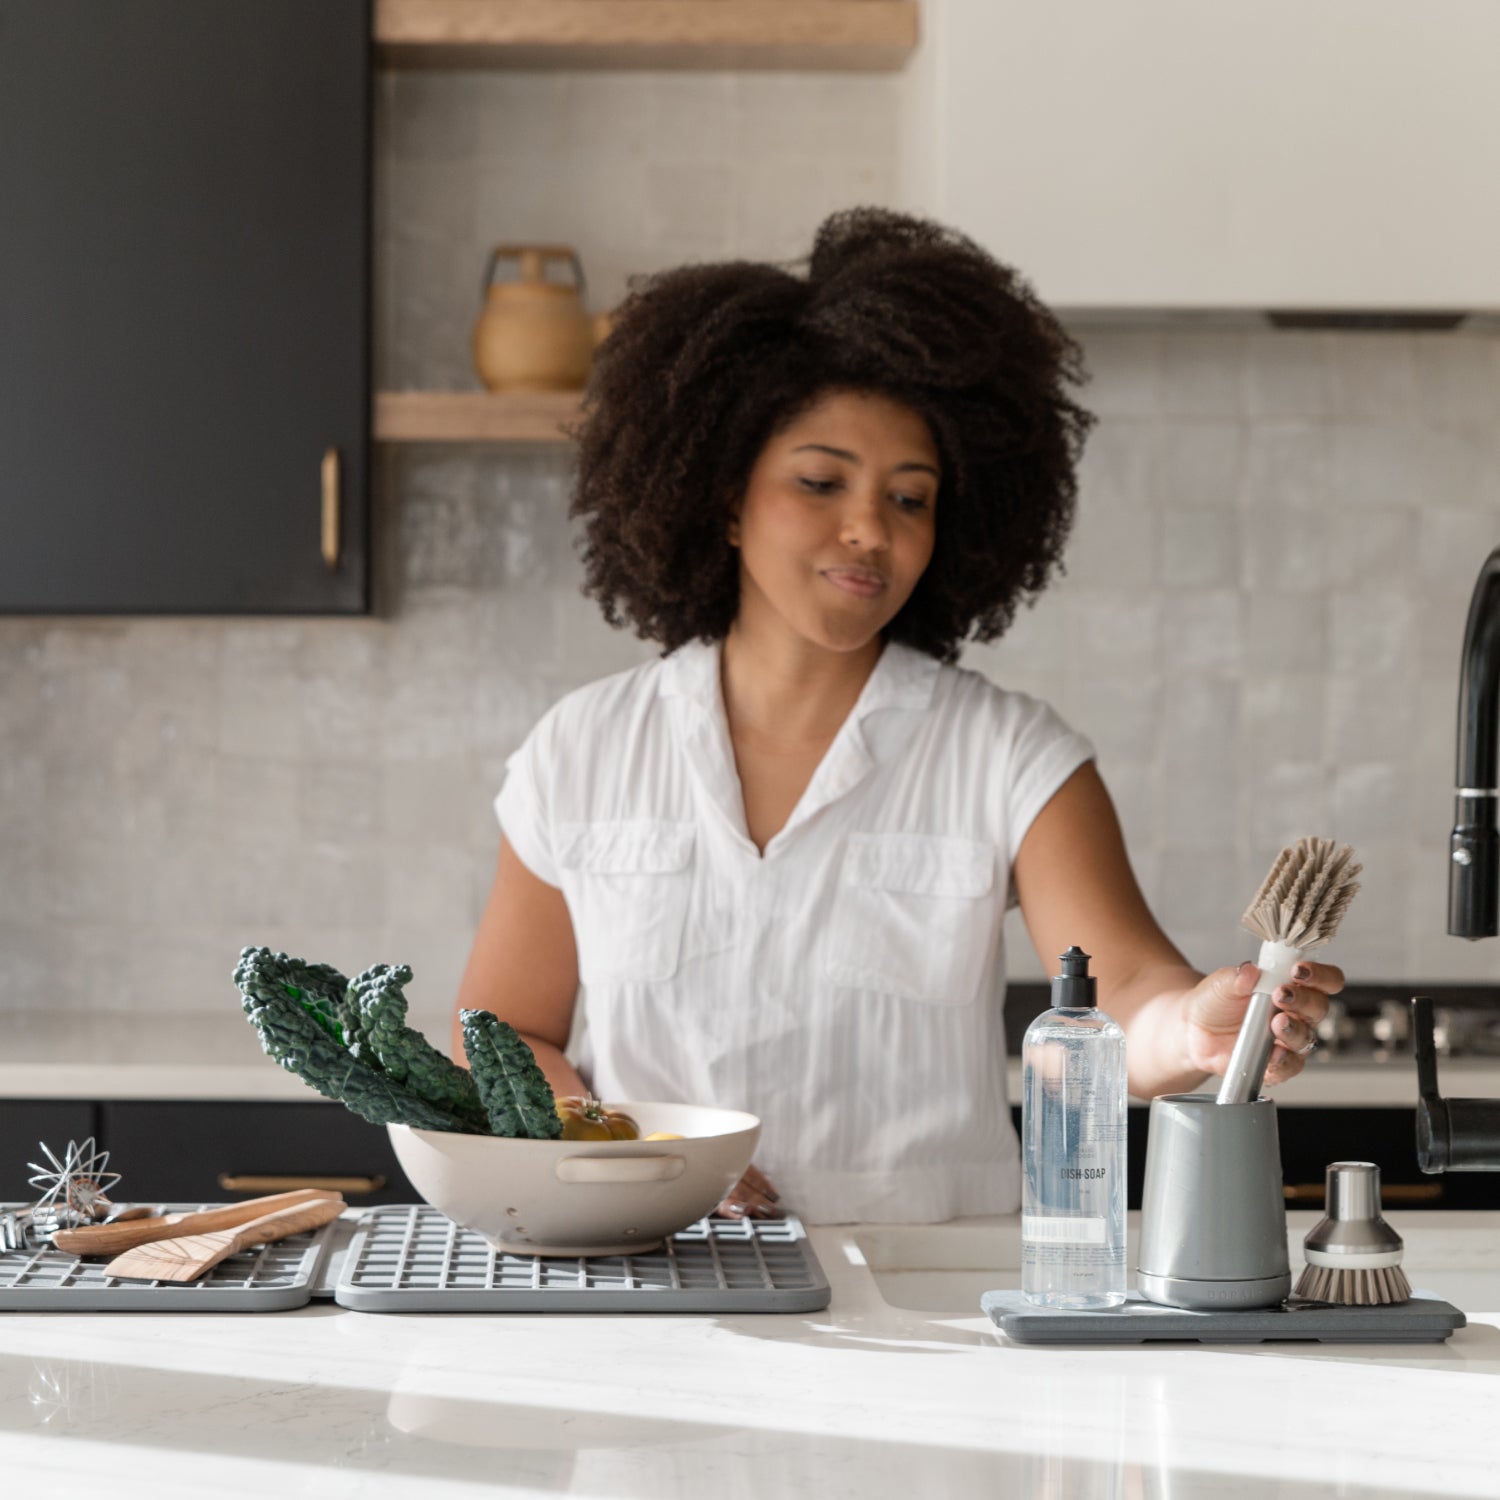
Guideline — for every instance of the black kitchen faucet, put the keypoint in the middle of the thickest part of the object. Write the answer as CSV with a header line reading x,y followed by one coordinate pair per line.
x,y
1453,1135
1474,851
1463,1135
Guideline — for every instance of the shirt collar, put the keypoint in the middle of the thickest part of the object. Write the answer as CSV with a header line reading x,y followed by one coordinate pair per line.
x,y
903,679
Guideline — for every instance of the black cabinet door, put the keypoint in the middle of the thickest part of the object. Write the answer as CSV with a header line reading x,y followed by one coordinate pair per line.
x,y
25,1125
1313,1136
187,1151
184,304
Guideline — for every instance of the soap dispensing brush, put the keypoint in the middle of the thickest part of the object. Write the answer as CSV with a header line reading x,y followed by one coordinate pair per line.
x,y
1298,908
1353,1256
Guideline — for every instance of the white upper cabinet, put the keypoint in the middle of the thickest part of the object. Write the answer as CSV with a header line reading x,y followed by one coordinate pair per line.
x,y
1207,154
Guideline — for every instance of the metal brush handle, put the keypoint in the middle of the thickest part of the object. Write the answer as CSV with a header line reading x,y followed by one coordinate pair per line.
x,y
1252,1047
1252,1052
1352,1226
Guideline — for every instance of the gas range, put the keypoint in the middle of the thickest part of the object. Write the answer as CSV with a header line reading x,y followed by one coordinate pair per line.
x,y
1372,1024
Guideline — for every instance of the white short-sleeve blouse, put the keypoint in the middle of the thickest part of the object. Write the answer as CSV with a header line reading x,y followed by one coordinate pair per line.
x,y
847,986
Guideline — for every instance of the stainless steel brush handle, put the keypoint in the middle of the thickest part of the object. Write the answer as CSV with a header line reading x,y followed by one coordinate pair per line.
x,y
1252,1047
1352,1233
1352,1190
1252,1052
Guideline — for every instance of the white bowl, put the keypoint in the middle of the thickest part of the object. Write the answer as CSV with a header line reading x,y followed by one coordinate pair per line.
x,y
582,1197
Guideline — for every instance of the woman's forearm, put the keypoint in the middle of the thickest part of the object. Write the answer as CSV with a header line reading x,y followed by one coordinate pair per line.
x,y
1152,1012
565,1079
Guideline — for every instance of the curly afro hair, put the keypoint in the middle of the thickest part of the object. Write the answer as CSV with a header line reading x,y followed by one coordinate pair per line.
x,y
704,363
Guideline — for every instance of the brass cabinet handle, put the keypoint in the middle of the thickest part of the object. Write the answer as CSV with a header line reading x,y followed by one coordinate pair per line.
x,y
331,508
1410,1192
1390,1192
249,1182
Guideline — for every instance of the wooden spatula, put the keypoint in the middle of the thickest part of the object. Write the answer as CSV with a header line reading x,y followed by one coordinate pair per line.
x,y
188,1257
111,1239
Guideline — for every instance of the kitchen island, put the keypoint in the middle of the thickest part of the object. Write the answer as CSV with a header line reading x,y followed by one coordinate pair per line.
x,y
900,1387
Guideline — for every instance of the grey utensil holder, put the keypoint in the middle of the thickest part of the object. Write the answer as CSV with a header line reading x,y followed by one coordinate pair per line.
x,y
1213,1218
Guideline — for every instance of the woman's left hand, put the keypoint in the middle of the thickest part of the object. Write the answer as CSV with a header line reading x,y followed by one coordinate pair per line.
x,y
1215,1007
753,1194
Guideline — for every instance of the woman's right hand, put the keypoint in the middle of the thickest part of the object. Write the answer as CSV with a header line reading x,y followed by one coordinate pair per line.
x,y
753,1194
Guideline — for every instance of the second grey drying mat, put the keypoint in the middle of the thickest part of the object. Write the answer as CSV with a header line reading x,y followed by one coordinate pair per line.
x,y
1425,1319
264,1278
410,1258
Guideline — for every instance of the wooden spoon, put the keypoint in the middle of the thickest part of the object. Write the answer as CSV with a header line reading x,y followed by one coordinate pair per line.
x,y
188,1257
111,1239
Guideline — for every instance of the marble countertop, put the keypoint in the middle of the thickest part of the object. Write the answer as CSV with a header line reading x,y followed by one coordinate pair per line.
x,y
118,1055
899,1388
113,1055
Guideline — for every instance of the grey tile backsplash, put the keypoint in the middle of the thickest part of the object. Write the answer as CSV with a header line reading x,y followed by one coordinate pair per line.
x,y
1259,627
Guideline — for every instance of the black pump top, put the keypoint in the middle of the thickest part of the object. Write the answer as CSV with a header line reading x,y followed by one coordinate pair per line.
x,y
1074,987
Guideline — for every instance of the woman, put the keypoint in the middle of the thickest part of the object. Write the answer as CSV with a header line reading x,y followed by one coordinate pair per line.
x,y
774,864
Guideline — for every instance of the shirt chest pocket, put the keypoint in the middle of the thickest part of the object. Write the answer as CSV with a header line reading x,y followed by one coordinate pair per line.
x,y
915,915
627,885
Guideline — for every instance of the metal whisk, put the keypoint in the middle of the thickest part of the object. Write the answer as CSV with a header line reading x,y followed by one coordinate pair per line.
x,y
75,1191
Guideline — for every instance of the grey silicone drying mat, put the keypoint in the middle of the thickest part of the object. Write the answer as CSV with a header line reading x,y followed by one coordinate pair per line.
x,y
410,1258
1425,1319
265,1278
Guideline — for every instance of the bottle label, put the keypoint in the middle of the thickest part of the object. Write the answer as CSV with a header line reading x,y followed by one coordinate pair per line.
x,y
1055,1231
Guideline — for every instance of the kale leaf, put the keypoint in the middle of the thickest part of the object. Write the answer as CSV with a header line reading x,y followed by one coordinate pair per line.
x,y
323,992
406,1056
515,1091
349,1040
288,1002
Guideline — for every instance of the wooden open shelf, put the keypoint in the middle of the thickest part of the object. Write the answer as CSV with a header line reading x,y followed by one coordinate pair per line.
x,y
474,416
786,35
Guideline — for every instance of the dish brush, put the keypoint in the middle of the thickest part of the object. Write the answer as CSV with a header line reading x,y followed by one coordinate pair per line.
x,y
1297,908
1353,1256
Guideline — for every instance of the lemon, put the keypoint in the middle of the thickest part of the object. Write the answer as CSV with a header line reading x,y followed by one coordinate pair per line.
x,y
663,1135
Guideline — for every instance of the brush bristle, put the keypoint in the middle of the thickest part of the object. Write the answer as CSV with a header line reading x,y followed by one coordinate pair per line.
x,y
1354,1288
1304,898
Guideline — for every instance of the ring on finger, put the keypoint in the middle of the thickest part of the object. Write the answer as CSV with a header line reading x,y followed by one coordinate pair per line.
x,y
1310,1048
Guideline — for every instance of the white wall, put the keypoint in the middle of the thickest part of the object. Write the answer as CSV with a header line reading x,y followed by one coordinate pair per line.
x,y
1260,627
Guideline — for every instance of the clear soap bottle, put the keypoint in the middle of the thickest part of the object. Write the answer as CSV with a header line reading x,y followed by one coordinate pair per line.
x,y
1073,1098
